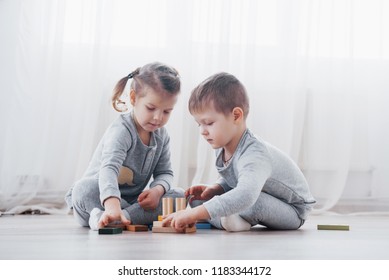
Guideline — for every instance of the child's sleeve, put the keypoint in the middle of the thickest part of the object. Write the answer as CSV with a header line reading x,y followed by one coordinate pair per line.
x,y
116,142
220,181
163,172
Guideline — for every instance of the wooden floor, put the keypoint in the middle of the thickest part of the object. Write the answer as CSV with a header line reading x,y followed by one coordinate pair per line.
x,y
58,237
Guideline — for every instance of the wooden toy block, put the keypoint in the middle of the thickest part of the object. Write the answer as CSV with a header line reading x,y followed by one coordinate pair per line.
x,y
172,230
116,225
203,226
157,227
137,228
110,230
333,227
157,224
167,206
180,203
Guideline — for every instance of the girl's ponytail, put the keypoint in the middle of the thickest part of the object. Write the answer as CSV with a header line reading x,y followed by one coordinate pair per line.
x,y
118,104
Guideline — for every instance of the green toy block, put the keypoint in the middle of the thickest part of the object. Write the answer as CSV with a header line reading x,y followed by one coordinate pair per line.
x,y
110,230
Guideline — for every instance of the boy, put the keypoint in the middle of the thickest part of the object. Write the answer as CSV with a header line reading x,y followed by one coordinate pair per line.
x,y
258,183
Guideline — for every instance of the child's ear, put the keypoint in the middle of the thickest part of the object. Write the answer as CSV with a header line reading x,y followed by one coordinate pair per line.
x,y
132,97
237,113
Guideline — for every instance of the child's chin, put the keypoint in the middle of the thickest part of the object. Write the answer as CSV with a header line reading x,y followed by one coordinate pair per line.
x,y
150,128
214,146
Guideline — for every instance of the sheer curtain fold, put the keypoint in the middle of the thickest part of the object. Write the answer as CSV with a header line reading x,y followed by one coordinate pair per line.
x,y
315,72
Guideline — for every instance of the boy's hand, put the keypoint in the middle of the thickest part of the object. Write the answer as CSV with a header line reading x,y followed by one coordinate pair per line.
x,y
185,218
179,220
202,192
112,213
149,199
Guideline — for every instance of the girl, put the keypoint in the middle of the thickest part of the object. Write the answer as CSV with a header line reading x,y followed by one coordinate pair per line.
x,y
134,148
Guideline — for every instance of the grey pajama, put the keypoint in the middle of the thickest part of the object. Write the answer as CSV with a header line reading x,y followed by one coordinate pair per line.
x,y
263,185
122,166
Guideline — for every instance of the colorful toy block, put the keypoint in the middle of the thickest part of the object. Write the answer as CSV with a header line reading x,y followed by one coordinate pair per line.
x,y
116,225
203,226
333,227
167,208
137,228
180,203
110,230
157,227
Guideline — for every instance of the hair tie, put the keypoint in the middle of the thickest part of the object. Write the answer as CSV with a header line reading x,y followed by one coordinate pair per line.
x,y
176,73
133,73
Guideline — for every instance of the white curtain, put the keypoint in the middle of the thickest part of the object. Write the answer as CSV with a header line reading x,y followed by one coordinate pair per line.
x,y
316,72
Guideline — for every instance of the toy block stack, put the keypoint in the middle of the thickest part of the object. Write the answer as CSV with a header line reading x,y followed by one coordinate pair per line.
x,y
168,208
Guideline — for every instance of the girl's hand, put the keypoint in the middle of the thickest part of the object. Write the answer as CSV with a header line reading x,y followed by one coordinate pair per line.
x,y
149,199
112,213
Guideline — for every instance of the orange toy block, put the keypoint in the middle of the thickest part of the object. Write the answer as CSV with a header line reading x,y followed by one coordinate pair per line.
x,y
137,228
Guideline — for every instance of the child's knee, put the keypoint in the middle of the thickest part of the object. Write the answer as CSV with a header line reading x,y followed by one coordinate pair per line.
x,y
84,189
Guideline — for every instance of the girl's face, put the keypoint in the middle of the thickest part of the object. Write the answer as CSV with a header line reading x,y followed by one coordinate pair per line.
x,y
152,110
218,129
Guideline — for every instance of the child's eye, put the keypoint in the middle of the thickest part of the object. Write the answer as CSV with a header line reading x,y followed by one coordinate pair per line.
x,y
210,123
150,108
167,112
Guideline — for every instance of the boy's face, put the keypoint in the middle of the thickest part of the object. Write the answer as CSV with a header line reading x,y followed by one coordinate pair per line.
x,y
152,110
217,128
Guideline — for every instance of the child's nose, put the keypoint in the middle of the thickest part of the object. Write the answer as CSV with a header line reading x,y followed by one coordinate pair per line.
x,y
203,131
158,116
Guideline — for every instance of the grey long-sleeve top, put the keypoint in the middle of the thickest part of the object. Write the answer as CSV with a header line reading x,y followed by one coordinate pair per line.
x,y
121,147
257,166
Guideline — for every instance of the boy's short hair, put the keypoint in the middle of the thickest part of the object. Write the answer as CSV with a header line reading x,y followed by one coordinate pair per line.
x,y
224,91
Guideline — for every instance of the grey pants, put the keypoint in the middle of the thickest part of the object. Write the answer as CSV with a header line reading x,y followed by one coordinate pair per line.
x,y
85,196
267,211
